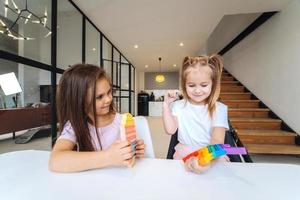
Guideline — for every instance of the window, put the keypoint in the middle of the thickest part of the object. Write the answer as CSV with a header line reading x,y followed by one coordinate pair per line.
x,y
69,34
92,49
33,102
34,73
31,39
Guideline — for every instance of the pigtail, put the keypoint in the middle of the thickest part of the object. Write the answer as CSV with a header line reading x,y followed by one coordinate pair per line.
x,y
215,62
185,64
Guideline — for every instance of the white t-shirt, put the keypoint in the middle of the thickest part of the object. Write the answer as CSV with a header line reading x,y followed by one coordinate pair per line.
x,y
194,123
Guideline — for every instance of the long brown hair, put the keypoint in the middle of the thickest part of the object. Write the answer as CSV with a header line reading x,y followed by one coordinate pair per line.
x,y
215,63
72,104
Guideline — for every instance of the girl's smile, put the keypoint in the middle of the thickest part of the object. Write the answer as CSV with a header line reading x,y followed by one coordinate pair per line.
x,y
105,107
103,96
198,84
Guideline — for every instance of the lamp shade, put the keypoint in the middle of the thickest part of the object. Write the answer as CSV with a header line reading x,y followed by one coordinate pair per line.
x,y
160,78
9,84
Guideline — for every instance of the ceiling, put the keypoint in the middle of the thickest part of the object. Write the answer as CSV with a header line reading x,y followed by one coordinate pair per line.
x,y
158,26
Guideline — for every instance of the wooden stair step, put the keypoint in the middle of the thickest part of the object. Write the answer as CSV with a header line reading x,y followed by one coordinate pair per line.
x,y
235,96
236,119
259,134
248,112
241,103
229,83
256,123
227,78
273,149
266,137
233,88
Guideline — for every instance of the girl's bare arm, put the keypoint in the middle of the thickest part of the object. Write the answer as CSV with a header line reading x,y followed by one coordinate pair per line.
x,y
64,159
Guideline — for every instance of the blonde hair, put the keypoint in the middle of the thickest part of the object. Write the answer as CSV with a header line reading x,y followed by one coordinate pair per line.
x,y
215,63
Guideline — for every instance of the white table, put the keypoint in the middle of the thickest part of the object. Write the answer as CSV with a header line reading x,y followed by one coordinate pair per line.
x,y
24,175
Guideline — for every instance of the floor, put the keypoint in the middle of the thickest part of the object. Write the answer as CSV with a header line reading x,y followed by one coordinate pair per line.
x,y
159,138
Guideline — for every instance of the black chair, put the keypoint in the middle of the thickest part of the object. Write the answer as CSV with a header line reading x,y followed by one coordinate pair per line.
x,y
173,142
229,139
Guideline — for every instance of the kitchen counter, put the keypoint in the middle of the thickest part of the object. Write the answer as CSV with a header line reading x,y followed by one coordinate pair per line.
x,y
155,108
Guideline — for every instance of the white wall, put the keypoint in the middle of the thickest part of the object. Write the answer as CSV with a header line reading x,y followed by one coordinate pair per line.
x,y
140,80
171,81
267,63
229,27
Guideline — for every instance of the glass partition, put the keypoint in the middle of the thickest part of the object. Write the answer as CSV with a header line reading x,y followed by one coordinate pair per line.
x,y
31,39
125,76
116,74
69,34
107,49
92,49
116,55
23,37
132,71
124,105
133,103
26,106
107,67
123,60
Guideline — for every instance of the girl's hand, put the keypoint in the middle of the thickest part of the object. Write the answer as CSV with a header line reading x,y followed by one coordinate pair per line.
x,y
140,149
223,159
193,166
171,96
119,153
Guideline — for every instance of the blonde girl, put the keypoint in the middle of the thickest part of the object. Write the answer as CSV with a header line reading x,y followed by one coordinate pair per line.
x,y
199,118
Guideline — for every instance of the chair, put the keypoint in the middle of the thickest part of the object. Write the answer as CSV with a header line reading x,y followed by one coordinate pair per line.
x,y
143,132
229,139
173,142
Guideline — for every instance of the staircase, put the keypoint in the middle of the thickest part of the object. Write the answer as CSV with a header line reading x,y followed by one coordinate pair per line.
x,y
259,133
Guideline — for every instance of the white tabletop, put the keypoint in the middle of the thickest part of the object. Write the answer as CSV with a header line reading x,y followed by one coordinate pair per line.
x,y
24,175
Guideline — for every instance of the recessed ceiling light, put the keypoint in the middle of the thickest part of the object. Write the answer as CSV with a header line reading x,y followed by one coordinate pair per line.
x,y
146,66
94,49
136,46
181,44
174,65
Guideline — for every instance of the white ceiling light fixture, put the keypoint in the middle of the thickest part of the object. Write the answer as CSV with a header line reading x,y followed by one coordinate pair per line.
x,y
146,66
181,44
34,18
136,46
159,77
174,65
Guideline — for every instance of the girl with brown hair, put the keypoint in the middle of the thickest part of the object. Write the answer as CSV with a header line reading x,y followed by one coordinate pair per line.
x,y
89,124
198,117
